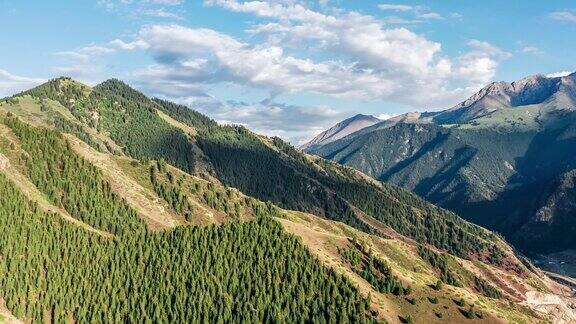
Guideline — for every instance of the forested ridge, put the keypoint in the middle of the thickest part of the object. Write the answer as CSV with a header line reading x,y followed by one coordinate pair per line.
x,y
268,170
72,182
285,176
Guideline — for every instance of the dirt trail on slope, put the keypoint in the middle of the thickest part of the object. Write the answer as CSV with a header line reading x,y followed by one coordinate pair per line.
x,y
149,206
4,163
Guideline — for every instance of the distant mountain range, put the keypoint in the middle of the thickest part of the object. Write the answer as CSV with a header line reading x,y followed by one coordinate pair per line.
x,y
505,158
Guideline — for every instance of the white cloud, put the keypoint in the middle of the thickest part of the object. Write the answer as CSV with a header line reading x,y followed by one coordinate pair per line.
x,y
85,53
419,11
532,50
119,44
72,55
161,13
480,63
11,84
416,71
84,63
138,9
373,62
395,20
361,59
558,74
226,59
395,7
430,15
296,124
167,2
566,16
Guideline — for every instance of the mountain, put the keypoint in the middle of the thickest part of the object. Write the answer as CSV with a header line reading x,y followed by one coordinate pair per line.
x,y
532,90
116,207
504,159
343,128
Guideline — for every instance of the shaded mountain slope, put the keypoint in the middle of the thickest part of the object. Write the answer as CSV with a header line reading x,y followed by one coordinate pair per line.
x,y
506,149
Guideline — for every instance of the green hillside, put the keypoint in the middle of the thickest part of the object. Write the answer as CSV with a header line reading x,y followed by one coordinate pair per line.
x,y
241,271
267,169
118,208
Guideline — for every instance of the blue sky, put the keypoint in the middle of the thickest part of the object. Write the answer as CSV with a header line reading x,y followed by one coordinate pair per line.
x,y
288,67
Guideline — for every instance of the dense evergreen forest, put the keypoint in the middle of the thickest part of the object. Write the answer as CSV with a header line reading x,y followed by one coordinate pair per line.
x,y
54,271
374,270
238,272
72,182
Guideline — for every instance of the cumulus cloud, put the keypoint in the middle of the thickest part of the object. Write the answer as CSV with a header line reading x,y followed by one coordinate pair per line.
x,y
361,58
391,64
11,84
119,44
204,55
480,63
413,67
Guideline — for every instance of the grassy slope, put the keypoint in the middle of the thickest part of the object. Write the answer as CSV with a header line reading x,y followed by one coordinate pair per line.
x,y
149,206
324,238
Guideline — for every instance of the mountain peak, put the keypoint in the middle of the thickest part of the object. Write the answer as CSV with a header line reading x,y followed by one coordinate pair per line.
x,y
342,129
531,90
